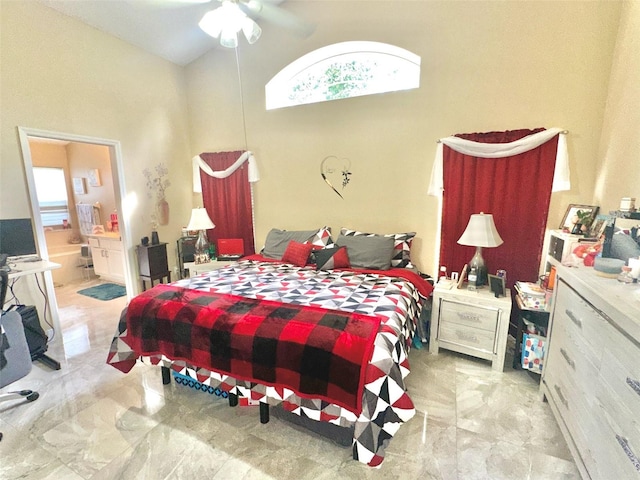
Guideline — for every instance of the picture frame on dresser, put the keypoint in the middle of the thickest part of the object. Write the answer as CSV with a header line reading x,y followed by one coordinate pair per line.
x,y
568,222
599,224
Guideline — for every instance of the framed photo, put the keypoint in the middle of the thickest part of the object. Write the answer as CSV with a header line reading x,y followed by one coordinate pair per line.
x,y
598,226
497,286
94,178
79,187
578,214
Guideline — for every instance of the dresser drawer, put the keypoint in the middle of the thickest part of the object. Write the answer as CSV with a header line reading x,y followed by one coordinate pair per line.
x,y
568,347
620,376
574,311
466,336
483,318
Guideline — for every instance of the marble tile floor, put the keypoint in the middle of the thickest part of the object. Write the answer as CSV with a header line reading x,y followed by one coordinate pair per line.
x,y
93,422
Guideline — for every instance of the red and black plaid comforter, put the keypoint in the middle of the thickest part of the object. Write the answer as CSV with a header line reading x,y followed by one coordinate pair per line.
x,y
317,353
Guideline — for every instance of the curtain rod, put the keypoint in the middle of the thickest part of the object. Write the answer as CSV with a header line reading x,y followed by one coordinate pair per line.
x,y
564,132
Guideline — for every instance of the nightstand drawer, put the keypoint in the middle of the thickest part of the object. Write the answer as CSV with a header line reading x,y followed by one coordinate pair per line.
x,y
470,315
467,336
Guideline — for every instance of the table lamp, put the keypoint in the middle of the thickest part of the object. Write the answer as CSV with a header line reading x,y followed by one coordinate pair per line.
x,y
200,221
480,232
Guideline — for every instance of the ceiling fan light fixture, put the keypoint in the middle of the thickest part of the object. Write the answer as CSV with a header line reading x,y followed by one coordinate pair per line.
x,y
229,38
251,30
226,21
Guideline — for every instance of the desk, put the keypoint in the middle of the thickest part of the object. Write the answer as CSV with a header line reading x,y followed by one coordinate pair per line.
x,y
21,269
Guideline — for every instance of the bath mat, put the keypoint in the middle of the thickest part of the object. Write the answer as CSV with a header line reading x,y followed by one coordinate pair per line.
x,y
106,291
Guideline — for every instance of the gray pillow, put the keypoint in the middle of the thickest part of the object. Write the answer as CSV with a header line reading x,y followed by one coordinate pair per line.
x,y
278,240
368,252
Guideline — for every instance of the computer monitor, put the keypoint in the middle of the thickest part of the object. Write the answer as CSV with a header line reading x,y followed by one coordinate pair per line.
x,y
16,237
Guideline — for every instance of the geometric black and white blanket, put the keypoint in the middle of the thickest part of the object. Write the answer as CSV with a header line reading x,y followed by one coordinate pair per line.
x,y
396,296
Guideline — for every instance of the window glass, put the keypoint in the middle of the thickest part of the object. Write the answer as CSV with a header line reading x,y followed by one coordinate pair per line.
x,y
343,70
51,189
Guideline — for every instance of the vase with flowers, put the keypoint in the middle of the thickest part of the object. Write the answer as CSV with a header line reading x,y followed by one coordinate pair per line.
x,y
156,186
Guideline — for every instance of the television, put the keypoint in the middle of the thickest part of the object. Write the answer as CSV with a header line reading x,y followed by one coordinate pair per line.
x,y
16,237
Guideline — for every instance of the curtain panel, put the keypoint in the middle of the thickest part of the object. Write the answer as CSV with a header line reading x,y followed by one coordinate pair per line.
x,y
516,189
228,199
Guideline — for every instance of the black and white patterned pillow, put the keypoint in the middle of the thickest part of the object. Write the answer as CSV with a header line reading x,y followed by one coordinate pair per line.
x,y
401,246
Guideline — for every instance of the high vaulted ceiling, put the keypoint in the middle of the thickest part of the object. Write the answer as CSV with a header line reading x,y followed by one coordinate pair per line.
x,y
167,28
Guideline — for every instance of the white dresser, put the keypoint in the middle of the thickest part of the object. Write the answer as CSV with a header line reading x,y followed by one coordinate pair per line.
x,y
591,376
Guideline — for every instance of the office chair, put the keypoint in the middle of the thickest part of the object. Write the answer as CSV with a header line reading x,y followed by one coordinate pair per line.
x,y
15,358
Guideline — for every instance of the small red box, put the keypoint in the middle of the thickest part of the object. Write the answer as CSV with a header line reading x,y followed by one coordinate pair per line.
x,y
230,247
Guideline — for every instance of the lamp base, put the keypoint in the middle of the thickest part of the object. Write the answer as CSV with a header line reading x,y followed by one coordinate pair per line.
x,y
478,262
201,249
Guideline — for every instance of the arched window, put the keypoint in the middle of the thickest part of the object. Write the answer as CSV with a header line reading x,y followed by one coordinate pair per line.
x,y
343,70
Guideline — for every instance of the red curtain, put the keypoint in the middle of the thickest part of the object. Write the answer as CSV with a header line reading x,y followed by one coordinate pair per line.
x,y
228,200
516,190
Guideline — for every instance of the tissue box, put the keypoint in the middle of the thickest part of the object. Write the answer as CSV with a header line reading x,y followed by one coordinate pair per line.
x,y
533,348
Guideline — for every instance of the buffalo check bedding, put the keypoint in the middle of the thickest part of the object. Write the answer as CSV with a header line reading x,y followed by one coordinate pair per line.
x,y
375,310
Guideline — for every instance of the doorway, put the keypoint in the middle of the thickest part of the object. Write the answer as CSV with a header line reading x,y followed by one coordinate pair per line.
x,y
115,162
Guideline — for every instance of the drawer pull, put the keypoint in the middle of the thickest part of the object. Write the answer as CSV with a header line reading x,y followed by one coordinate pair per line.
x,y
627,450
468,316
634,384
566,356
573,318
469,337
561,396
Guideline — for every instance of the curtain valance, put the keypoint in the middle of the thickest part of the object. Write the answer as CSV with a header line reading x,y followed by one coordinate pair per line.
x,y
199,164
561,179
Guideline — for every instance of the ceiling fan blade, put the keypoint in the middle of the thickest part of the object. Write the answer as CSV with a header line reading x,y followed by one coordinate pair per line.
x,y
271,12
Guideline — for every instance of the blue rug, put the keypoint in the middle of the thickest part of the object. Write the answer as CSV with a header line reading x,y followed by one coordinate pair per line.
x,y
106,291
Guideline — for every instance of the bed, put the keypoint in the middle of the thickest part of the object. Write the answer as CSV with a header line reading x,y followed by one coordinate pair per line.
x,y
345,332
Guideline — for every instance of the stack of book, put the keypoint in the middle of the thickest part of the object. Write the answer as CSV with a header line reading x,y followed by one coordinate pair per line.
x,y
532,295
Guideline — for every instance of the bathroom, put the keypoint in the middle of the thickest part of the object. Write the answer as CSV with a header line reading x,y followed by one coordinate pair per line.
x,y
83,172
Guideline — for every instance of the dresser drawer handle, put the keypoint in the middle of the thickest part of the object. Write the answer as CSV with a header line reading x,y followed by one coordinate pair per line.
x,y
562,399
469,337
468,316
573,318
627,450
634,384
566,356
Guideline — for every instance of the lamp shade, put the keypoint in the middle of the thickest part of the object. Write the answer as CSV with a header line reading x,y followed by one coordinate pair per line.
x,y
200,220
481,232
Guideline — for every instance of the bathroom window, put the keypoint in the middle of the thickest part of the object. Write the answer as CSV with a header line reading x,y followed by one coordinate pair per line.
x,y
51,188
343,70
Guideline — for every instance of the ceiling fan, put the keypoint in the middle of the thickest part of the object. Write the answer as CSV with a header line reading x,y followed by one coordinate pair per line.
x,y
232,16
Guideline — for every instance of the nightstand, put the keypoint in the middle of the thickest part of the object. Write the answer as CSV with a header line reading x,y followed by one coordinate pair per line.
x,y
152,263
473,322
198,268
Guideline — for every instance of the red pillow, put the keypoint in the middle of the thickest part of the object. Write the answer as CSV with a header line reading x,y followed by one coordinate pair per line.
x,y
297,253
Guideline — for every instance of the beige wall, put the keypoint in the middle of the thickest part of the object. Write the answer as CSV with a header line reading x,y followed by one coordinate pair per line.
x,y
619,152
60,75
485,66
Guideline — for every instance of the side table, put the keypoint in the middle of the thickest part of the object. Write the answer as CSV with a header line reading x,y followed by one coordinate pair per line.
x,y
152,263
473,322
540,318
198,268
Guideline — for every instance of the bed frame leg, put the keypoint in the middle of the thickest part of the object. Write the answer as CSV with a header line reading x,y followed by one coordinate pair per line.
x,y
264,412
233,400
166,375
